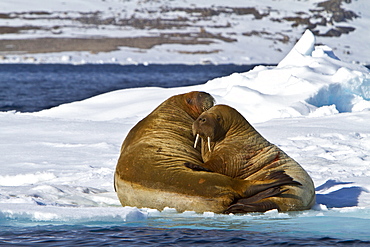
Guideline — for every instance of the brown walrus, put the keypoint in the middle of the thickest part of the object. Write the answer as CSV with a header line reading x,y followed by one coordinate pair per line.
x,y
150,171
231,146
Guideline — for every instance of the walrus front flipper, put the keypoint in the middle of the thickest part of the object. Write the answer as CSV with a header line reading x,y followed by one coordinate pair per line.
x,y
195,167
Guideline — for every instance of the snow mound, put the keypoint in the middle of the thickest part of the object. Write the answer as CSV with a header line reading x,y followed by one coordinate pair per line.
x,y
308,78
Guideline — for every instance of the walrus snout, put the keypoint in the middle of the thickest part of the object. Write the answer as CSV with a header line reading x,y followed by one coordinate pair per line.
x,y
204,127
197,140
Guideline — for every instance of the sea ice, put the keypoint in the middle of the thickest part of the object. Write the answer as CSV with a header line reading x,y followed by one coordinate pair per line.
x,y
57,165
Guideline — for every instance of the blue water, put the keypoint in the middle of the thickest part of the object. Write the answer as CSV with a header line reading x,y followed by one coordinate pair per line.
x,y
179,230
29,88
151,236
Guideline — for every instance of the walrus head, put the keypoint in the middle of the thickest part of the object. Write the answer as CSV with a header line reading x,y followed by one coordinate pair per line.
x,y
213,124
197,102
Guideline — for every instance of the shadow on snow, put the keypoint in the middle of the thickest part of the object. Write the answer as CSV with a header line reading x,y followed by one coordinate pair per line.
x,y
343,197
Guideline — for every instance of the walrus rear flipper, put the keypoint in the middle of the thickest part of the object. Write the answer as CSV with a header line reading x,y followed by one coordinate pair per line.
x,y
272,180
253,207
282,178
262,195
251,204
259,202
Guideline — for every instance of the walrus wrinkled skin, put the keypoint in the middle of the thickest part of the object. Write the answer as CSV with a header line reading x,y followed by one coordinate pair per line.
x,y
150,171
231,146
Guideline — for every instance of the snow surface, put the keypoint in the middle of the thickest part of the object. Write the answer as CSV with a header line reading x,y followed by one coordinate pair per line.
x,y
57,165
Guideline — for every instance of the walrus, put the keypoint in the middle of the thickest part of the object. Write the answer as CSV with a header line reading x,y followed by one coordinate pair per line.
x,y
150,171
232,147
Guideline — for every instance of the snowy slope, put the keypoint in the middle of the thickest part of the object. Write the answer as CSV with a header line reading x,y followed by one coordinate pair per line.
x,y
312,105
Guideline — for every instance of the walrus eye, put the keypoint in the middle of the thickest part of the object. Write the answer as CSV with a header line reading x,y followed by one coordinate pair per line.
x,y
189,101
218,118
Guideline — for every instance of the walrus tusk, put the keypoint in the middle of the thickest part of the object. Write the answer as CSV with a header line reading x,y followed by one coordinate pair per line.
x,y
196,141
209,143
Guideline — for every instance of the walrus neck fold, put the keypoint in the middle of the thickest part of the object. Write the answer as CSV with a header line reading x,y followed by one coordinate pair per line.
x,y
241,127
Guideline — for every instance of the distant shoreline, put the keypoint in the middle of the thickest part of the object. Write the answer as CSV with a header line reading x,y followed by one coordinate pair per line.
x,y
182,32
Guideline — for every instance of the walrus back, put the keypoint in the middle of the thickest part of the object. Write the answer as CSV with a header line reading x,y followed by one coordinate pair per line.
x,y
157,141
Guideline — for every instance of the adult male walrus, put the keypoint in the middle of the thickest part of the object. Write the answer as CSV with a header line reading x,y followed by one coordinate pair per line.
x,y
150,171
231,146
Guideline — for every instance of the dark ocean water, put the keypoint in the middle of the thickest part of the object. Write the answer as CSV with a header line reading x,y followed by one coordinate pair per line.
x,y
32,87
29,88
143,236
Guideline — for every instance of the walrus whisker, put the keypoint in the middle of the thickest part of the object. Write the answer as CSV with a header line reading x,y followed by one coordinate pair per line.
x,y
196,141
209,143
